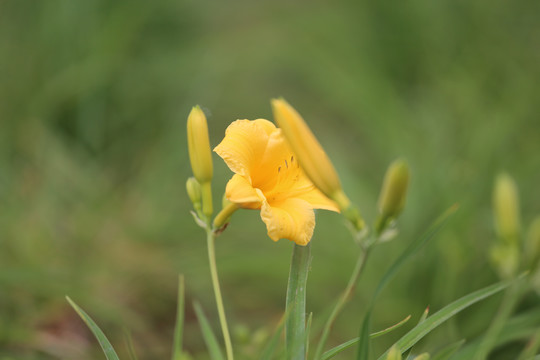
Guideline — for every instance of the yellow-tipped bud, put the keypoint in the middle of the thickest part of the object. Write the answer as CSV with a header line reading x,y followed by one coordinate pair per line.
x,y
394,189
311,155
506,208
423,356
394,353
194,192
200,153
200,156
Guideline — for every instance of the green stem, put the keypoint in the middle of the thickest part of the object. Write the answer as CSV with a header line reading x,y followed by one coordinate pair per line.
x,y
345,296
510,299
295,325
210,237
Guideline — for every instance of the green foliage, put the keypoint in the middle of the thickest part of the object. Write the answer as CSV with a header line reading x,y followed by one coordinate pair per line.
x,y
209,338
93,101
100,336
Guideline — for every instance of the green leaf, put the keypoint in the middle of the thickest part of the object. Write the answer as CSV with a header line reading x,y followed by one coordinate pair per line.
x,y
179,326
129,343
447,352
421,330
308,329
273,342
336,350
100,336
519,327
391,328
208,335
363,351
295,325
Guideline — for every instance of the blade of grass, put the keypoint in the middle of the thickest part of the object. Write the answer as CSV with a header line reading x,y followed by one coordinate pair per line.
x,y
179,325
531,348
519,327
272,343
421,330
336,350
408,354
363,350
308,329
447,352
208,335
129,344
100,336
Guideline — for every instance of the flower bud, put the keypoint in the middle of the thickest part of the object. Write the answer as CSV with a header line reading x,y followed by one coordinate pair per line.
x,y
506,208
394,189
194,192
311,155
393,353
505,259
200,156
532,243
423,356
200,153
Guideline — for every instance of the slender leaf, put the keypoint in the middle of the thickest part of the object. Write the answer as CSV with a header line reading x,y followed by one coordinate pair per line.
x,y
273,342
408,354
100,336
129,343
421,330
308,330
179,326
532,347
208,335
389,329
519,327
363,351
336,350
447,352
295,326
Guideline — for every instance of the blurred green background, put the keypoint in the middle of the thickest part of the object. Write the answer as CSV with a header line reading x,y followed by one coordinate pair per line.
x,y
93,159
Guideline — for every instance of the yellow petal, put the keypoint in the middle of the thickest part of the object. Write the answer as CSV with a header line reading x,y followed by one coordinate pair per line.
x,y
291,219
240,192
318,200
244,144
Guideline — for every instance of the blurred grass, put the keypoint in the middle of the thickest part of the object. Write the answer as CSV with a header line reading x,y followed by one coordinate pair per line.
x,y
93,101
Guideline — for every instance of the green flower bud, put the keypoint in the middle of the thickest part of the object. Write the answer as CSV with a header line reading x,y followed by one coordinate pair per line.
x,y
394,353
194,192
506,208
200,153
394,189
505,259
200,156
423,356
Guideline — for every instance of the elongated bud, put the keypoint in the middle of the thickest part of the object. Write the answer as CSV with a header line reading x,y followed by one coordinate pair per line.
x,y
532,243
394,353
311,155
200,153
194,192
394,189
200,156
505,259
423,356
506,208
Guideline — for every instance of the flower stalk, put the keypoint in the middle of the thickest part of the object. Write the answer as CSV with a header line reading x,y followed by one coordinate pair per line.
x,y
343,299
210,237
295,325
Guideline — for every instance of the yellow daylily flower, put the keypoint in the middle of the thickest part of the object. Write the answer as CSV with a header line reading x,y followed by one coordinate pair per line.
x,y
268,177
